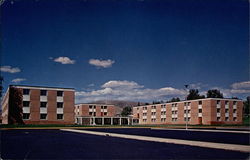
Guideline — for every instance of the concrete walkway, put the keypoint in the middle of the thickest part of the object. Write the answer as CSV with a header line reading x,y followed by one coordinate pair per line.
x,y
233,147
202,130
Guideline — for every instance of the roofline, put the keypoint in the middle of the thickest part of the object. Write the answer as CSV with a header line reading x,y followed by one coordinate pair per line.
x,y
94,104
35,87
191,101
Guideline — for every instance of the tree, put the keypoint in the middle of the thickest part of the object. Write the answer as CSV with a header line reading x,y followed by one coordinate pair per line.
x,y
246,106
126,111
214,93
194,94
177,99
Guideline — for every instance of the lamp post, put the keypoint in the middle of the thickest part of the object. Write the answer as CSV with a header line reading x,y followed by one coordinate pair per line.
x,y
185,107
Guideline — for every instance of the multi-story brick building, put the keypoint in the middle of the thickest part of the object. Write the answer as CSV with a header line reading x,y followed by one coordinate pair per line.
x,y
38,105
100,114
201,111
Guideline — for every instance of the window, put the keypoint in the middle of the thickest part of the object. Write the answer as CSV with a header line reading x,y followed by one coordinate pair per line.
x,y
218,102
218,110
26,103
43,104
200,110
234,102
144,114
144,120
26,91
234,119
59,104
163,119
226,102
200,102
90,113
90,107
105,113
105,107
153,113
227,110
234,110
189,118
26,116
153,120
43,116
43,92
94,114
189,103
59,116
227,119
59,93
94,107
218,118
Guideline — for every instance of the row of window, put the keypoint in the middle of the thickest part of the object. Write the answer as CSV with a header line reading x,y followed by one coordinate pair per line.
x,y
94,107
94,113
226,102
42,92
226,110
42,104
43,116
226,118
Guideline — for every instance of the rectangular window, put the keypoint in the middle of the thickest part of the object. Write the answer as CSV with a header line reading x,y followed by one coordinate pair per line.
x,y
218,118
227,119
105,107
200,110
90,113
26,91
26,103
94,113
218,110
226,102
43,116
227,110
26,116
105,113
59,104
234,110
234,119
90,107
59,93
234,102
43,104
200,102
59,116
218,102
43,92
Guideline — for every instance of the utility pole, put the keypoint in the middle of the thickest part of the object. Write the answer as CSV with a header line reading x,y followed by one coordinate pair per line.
x,y
185,107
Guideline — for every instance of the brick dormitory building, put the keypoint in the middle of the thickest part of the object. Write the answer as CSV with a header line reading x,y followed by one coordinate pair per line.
x,y
201,111
38,105
98,114
50,105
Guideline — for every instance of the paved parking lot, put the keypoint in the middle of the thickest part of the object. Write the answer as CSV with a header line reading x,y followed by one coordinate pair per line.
x,y
218,137
56,144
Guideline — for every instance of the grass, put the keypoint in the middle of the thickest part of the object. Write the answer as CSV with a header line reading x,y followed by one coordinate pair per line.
x,y
246,123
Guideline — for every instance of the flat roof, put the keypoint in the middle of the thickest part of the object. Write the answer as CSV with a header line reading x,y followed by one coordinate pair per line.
x,y
41,87
95,104
229,99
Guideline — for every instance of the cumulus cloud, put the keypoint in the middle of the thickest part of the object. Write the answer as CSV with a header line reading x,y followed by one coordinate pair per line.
x,y
18,80
241,85
64,60
127,90
127,84
101,63
9,69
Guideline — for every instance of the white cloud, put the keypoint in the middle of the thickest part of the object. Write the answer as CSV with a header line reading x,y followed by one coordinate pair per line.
x,y
91,85
101,63
127,90
115,84
9,69
241,85
64,60
18,80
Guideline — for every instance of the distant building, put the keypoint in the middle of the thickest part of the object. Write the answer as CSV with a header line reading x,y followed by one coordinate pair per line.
x,y
98,114
201,111
38,105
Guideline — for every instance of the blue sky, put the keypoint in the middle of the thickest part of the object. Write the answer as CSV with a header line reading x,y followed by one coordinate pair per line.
x,y
127,50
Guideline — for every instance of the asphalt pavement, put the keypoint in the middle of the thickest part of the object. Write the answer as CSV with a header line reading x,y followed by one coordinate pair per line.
x,y
56,144
217,137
